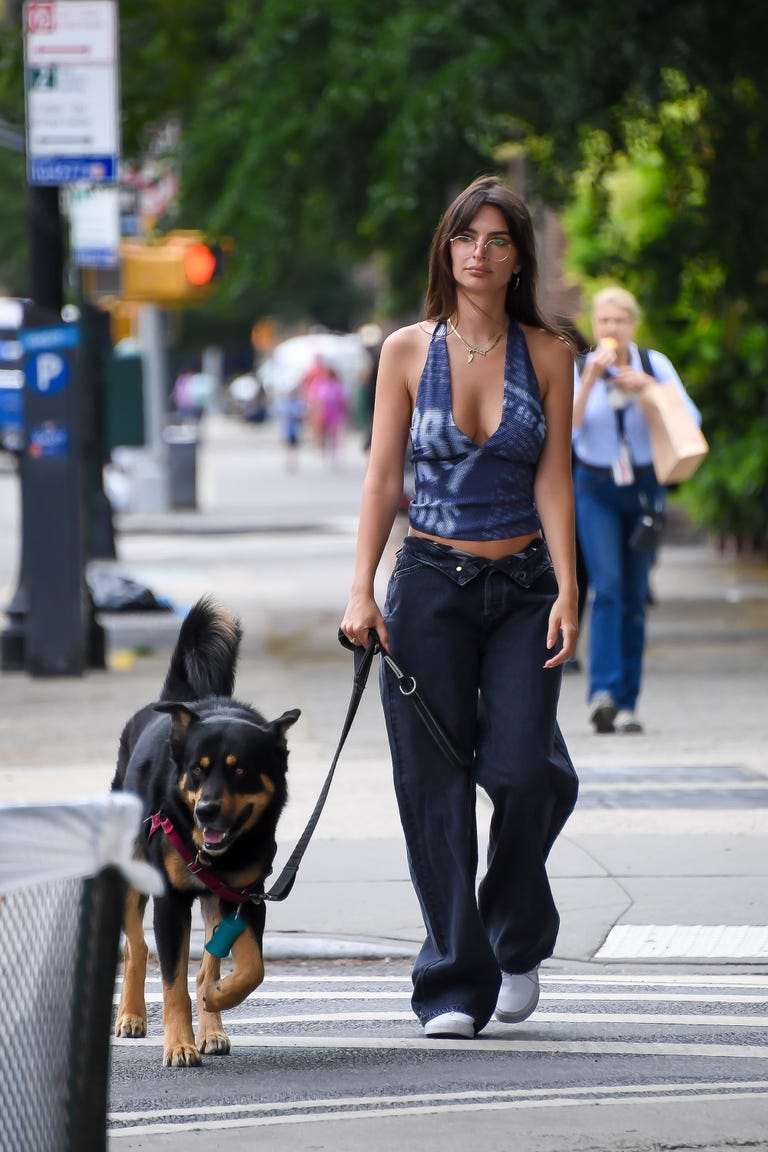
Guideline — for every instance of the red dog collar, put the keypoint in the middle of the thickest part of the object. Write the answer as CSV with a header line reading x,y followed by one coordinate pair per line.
x,y
233,895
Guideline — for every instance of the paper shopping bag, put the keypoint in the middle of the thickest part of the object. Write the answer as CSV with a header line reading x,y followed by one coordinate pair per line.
x,y
677,443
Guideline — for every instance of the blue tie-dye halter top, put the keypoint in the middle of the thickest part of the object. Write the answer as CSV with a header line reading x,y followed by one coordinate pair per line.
x,y
468,491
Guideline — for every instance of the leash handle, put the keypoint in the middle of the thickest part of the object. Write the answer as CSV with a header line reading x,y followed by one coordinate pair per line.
x,y
408,687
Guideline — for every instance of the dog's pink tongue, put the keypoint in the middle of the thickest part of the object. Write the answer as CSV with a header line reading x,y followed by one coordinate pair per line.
x,y
213,836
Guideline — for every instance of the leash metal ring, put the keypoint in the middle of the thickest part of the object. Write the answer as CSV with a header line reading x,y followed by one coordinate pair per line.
x,y
407,691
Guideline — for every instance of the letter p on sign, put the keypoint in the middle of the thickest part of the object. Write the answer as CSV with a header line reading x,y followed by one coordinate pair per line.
x,y
48,373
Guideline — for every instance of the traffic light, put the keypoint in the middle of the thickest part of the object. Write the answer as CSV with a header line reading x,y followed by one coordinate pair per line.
x,y
203,263
179,269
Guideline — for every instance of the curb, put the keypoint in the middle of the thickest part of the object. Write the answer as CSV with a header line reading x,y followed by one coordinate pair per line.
x,y
333,948
298,947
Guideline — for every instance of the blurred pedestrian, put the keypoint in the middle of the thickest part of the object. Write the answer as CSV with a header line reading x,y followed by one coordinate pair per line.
x,y
615,487
291,409
192,395
373,349
183,398
327,403
479,609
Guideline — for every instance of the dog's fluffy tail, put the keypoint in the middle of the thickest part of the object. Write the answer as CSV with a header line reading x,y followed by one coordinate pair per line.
x,y
204,660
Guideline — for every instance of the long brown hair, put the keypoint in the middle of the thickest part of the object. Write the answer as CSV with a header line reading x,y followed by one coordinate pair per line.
x,y
521,302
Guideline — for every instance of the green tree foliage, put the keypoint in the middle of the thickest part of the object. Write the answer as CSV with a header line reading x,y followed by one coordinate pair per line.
x,y
319,135
642,217
14,277
14,270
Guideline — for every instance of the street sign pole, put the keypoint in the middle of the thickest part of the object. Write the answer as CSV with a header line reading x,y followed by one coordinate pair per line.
x,y
72,135
46,247
153,494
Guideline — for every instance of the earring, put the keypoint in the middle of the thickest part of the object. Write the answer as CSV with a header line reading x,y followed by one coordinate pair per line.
x,y
514,287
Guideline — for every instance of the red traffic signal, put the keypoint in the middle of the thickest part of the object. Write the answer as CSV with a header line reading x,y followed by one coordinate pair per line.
x,y
177,269
202,262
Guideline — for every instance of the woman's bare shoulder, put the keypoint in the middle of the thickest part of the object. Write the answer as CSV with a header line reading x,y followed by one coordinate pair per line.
x,y
411,338
404,353
548,344
551,356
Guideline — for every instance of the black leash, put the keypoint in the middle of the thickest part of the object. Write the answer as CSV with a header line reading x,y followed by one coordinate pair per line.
x,y
407,685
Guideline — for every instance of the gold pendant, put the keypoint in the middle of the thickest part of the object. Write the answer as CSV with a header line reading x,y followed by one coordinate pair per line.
x,y
470,357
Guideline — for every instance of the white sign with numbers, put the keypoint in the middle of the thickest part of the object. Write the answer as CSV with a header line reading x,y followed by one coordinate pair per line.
x,y
72,89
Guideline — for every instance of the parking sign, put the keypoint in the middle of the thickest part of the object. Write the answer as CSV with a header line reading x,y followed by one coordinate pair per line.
x,y
72,91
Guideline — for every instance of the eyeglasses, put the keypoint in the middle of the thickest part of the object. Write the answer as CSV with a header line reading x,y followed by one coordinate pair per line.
x,y
496,248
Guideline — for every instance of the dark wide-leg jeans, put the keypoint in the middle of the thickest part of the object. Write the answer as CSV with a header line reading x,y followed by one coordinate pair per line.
x,y
472,632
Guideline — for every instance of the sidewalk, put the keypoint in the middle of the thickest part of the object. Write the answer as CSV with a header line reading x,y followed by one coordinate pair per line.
x,y
670,826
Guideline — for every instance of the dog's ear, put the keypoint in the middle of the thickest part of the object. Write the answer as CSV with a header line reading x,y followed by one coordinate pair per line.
x,y
284,722
182,718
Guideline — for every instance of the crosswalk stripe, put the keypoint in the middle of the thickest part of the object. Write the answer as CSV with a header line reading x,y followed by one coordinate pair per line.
x,y
420,1043
336,1102
547,980
757,785
281,1017
266,996
685,942
570,1100
628,1018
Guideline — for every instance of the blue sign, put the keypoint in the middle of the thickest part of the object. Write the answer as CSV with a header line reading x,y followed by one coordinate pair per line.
x,y
48,440
11,401
10,350
73,169
47,373
95,257
49,339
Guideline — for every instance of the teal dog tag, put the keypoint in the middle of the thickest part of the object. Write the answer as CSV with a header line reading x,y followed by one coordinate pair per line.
x,y
225,934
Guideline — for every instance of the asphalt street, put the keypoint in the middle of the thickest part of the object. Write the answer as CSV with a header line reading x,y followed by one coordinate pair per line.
x,y
659,875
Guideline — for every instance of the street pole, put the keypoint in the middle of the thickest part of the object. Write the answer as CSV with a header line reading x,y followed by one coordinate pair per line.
x,y
96,348
153,494
46,247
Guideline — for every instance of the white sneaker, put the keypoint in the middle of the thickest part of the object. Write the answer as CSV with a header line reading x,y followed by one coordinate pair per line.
x,y
450,1026
602,712
627,722
518,996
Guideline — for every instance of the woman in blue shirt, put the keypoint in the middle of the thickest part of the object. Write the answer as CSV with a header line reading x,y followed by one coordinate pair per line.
x,y
615,485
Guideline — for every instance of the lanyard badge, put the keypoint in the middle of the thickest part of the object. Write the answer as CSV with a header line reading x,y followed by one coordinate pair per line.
x,y
623,472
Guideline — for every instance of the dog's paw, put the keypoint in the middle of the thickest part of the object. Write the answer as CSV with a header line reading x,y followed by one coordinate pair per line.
x,y
132,1026
181,1056
214,1043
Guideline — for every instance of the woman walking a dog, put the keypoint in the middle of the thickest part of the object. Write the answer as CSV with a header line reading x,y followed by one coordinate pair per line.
x,y
479,609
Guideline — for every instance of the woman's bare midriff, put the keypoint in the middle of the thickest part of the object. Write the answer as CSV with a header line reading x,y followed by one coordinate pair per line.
x,y
491,549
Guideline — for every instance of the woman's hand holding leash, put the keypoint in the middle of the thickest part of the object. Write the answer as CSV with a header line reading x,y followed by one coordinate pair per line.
x,y
362,615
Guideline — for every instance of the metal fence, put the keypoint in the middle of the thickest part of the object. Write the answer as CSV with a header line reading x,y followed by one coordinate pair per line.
x,y
62,882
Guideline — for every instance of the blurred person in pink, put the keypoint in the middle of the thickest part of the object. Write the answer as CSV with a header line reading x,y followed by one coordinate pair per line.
x,y
327,403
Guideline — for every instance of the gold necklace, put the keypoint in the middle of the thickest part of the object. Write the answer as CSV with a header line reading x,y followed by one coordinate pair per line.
x,y
472,352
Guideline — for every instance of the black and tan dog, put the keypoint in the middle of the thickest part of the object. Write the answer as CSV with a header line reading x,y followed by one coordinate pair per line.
x,y
211,772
